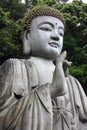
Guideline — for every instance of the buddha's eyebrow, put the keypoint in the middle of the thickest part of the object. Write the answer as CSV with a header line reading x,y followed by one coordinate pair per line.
x,y
46,22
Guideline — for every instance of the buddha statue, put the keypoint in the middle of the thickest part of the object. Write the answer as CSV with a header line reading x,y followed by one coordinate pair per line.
x,y
36,93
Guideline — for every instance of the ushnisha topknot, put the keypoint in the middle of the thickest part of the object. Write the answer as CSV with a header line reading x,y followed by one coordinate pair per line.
x,y
40,11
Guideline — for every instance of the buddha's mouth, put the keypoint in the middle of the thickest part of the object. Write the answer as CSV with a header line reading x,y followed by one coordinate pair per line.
x,y
54,44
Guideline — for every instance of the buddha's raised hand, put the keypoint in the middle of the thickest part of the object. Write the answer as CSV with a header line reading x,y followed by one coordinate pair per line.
x,y
59,86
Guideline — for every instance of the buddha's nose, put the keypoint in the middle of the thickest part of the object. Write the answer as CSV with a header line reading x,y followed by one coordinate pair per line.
x,y
55,35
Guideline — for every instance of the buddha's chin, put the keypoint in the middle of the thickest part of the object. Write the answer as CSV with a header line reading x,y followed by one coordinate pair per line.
x,y
51,55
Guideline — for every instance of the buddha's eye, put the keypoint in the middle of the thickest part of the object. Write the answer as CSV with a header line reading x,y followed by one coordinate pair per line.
x,y
45,28
61,32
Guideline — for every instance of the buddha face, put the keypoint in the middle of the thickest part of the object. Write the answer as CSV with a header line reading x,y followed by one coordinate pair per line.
x,y
46,37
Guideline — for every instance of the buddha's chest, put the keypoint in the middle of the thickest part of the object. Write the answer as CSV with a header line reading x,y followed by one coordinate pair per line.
x,y
45,74
45,70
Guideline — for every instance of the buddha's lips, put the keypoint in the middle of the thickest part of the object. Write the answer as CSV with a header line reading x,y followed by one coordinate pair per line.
x,y
54,44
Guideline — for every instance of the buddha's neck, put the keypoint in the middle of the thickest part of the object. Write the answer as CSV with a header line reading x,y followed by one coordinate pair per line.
x,y
42,61
45,69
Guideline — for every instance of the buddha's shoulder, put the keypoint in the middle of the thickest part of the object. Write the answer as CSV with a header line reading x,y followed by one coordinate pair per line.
x,y
70,77
73,81
15,61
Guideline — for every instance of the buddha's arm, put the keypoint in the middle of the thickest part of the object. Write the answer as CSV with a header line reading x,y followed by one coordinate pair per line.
x,y
6,75
59,85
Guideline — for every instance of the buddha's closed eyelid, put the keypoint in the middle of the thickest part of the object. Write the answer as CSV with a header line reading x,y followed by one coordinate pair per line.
x,y
45,27
46,24
61,31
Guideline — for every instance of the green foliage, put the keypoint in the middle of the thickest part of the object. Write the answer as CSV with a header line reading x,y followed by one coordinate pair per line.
x,y
80,72
15,8
9,41
3,18
48,2
10,28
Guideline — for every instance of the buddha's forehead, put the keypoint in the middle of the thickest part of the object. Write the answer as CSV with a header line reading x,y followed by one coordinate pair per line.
x,y
47,20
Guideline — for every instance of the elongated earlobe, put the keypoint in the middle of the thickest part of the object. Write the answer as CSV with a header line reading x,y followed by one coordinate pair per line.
x,y
26,43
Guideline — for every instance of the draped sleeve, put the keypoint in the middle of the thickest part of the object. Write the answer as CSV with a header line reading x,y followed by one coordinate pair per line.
x,y
6,75
13,79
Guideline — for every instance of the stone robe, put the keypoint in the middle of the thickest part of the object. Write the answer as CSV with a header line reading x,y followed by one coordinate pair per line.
x,y
33,108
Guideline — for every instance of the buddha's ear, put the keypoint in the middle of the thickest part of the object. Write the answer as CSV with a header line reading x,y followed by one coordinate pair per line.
x,y
26,42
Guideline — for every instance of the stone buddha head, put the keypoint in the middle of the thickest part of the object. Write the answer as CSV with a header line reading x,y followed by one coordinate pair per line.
x,y
42,32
